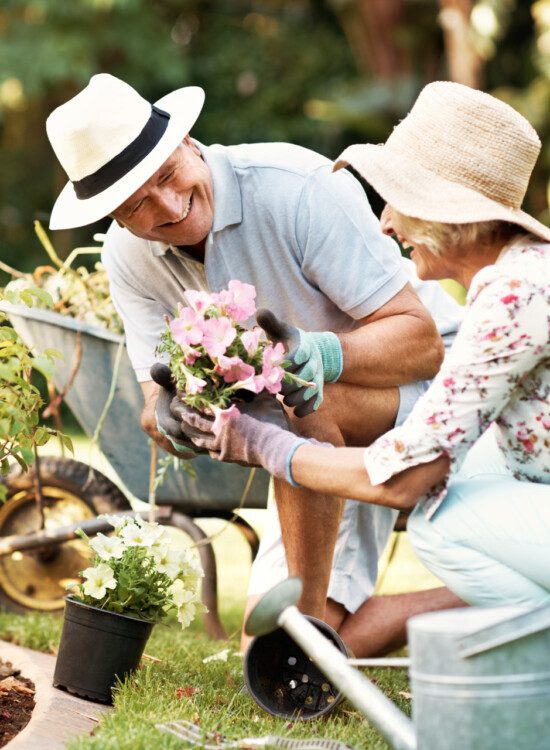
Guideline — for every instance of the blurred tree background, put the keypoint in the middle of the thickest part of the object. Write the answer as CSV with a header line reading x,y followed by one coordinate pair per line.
x,y
321,73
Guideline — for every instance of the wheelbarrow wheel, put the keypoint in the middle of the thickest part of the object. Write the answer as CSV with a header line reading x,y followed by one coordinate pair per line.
x,y
36,580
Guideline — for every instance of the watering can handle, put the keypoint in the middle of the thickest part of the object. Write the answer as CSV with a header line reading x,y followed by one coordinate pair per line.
x,y
506,631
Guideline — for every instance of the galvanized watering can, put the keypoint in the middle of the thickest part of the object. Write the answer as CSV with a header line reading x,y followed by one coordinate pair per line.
x,y
480,676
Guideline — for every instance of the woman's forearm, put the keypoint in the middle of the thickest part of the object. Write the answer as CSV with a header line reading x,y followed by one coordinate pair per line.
x,y
341,471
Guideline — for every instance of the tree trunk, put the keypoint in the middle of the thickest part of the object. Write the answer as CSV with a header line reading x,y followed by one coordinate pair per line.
x,y
370,27
463,62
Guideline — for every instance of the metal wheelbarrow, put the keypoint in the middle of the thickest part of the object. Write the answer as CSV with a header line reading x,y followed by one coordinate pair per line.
x,y
33,567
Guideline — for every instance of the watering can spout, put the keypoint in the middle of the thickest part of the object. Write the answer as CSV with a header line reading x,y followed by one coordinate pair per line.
x,y
278,609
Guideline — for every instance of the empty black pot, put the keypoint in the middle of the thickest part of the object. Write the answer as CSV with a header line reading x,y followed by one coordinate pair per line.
x,y
96,648
284,681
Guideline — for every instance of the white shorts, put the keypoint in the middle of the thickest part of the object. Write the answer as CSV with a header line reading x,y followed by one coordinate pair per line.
x,y
362,537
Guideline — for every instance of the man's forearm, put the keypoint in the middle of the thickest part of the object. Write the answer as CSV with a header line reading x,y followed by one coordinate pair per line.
x,y
391,352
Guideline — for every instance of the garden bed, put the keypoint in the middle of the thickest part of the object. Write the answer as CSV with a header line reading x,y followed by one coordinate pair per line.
x,y
16,702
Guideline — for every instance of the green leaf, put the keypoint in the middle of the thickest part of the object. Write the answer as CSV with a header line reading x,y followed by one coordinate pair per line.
x,y
53,354
26,297
43,365
41,436
20,461
67,442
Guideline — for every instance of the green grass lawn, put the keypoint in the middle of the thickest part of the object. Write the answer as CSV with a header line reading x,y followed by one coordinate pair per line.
x,y
181,686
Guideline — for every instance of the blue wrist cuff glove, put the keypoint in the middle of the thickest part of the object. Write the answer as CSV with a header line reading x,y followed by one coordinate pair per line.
x,y
330,348
321,353
293,448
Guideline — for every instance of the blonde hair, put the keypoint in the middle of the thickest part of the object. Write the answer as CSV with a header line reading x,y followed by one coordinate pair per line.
x,y
439,237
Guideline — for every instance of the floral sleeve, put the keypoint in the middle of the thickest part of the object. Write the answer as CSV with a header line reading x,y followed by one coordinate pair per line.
x,y
502,338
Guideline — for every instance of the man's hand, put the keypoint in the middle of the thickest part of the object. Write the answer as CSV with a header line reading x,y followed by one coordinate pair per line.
x,y
315,357
259,435
167,424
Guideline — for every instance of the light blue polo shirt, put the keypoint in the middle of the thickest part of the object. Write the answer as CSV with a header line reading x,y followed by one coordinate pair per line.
x,y
304,236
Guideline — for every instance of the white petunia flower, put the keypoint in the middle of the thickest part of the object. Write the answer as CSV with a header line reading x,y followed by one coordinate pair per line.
x,y
116,521
167,561
178,592
107,546
187,610
153,529
190,564
99,579
135,536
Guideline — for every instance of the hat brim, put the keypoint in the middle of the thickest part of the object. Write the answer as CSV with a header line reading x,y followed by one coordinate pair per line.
x,y
184,107
418,192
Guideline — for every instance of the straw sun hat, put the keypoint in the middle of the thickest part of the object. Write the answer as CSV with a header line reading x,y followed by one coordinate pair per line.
x,y
110,140
460,156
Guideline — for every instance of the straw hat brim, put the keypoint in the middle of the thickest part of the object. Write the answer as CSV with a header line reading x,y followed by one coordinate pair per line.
x,y
183,106
418,192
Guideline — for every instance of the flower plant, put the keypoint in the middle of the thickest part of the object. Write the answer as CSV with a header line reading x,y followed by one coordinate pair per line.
x,y
213,355
137,572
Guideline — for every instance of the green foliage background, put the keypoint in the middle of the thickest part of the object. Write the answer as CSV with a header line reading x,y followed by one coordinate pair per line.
x,y
272,70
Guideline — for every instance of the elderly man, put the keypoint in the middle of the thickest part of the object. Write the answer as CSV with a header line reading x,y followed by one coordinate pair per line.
x,y
274,215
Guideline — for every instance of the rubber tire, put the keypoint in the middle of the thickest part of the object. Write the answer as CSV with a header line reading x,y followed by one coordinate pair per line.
x,y
100,494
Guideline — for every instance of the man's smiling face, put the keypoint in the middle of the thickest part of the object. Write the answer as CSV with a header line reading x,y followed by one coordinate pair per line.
x,y
176,204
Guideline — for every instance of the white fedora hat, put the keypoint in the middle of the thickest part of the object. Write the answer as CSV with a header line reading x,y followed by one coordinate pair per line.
x,y
110,140
460,156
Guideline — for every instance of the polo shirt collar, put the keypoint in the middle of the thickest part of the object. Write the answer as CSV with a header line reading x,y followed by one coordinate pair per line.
x,y
228,207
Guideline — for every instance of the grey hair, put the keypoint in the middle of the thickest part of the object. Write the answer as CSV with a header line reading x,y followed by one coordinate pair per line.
x,y
438,237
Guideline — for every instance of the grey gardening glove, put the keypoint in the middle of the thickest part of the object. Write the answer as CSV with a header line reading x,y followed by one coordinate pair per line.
x,y
259,436
315,356
167,424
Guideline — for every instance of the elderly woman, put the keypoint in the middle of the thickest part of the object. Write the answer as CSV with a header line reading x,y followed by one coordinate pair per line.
x,y
473,457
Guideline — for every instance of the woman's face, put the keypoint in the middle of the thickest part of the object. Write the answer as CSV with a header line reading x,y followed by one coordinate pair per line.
x,y
428,265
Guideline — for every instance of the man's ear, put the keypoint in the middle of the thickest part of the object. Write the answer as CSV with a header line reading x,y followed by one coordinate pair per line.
x,y
193,146
120,224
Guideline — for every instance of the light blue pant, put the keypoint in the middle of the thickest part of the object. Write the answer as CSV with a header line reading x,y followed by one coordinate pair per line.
x,y
489,541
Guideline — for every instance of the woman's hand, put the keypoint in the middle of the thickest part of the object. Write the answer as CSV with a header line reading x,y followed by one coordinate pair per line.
x,y
258,434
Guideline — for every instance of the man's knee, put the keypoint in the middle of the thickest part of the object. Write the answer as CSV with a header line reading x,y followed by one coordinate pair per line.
x,y
350,415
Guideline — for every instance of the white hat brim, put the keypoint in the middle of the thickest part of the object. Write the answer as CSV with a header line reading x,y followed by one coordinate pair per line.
x,y
420,193
69,211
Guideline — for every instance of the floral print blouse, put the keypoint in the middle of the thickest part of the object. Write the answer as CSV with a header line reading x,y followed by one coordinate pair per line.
x,y
497,372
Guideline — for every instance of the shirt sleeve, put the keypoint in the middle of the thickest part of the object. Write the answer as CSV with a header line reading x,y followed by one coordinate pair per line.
x,y
344,253
499,342
141,315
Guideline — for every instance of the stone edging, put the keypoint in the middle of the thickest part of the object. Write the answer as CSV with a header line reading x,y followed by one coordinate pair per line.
x,y
57,715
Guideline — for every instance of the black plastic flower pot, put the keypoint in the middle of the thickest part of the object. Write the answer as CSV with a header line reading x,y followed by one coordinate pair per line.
x,y
97,648
284,681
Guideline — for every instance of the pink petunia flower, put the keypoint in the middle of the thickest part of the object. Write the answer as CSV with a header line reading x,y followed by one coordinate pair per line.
x,y
222,416
187,327
240,300
233,369
190,355
193,384
273,355
272,378
218,335
251,340
254,383
199,301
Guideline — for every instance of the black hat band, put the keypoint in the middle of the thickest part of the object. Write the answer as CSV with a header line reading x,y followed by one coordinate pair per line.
x,y
122,163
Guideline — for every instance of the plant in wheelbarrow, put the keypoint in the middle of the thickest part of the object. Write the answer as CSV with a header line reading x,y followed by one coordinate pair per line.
x,y
20,400
137,577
